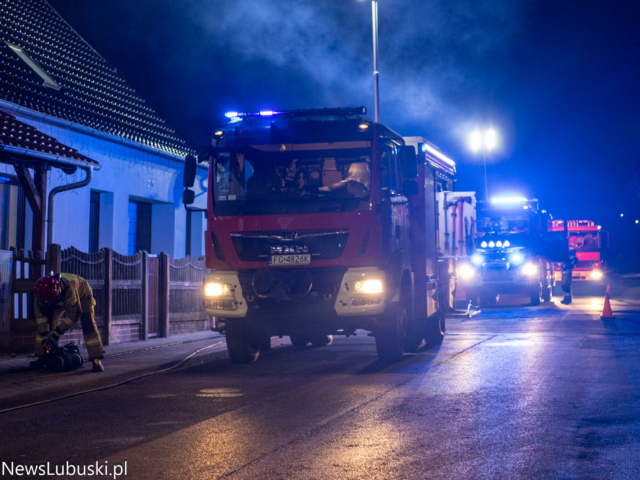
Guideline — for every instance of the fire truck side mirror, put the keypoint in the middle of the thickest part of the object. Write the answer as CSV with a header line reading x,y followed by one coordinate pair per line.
x,y
410,188
190,167
409,161
188,197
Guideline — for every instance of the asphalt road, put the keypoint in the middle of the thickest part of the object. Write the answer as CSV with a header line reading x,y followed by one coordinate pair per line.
x,y
545,392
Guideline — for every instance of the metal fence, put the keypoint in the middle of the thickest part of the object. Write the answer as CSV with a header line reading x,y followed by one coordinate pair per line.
x,y
186,277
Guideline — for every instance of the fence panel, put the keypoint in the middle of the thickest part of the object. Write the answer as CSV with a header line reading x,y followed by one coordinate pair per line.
x,y
186,277
89,266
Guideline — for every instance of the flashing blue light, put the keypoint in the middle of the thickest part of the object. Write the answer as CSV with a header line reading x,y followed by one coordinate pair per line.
x,y
516,258
508,200
477,259
266,113
231,114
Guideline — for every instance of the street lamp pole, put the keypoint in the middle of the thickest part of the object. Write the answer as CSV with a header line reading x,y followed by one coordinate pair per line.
x,y
486,185
374,14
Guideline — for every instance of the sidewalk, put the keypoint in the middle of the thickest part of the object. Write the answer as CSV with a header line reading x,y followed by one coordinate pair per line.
x,y
19,385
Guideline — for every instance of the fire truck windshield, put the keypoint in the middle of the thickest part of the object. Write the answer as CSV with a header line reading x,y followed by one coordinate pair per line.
x,y
584,241
498,222
292,178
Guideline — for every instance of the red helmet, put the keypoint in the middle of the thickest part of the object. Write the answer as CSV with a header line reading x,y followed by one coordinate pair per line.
x,y
47,289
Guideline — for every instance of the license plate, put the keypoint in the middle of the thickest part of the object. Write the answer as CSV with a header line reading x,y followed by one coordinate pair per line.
x,y
290,259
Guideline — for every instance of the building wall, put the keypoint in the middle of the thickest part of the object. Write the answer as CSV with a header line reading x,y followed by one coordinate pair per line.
x,y
126,173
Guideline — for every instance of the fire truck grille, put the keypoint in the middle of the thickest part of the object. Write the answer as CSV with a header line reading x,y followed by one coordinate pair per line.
x,y
320,244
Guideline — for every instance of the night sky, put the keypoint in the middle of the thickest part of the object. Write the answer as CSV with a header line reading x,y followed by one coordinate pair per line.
x,y
559,81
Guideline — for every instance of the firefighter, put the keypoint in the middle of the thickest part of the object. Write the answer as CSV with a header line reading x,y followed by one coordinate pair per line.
x,y
69,295
567,272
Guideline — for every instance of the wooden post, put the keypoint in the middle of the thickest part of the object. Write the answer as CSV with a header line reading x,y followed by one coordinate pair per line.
x,y
108,295
164,295
54,259
145,296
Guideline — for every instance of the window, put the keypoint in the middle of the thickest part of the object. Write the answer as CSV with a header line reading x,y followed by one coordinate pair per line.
x,y
388,168
94,222
48,81
139,237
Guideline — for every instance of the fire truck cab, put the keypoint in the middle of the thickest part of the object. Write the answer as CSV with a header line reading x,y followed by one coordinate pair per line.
x,y
588,241
320,223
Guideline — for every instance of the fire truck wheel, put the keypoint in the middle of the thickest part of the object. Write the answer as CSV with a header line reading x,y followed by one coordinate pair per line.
x,y
535,295
322,340
299,341
391,338
434,330
242,343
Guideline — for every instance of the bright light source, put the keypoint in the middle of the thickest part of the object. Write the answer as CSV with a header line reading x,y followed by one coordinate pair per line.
x,y
507,243
369,286
216,289
637,221
363,127
596,275
466,271
475,141
599,227
529,269
492,244
508,200
477,259
219,133
499,244
231,114
266,113
490,139
483,244
516,258
622,214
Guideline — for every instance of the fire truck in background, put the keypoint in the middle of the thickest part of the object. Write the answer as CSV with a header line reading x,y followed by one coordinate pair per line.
x,y
322,222
589,242
510,252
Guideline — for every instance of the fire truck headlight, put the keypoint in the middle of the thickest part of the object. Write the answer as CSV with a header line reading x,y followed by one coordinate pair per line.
x,y
596,275
516,258
369,286
484,245
466,271
529,269
217,290
492,244
477,259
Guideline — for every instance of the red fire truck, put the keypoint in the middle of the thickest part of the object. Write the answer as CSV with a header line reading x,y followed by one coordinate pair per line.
x,y
322,222
588,241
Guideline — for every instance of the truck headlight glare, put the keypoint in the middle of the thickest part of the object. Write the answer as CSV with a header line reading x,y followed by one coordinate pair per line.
x,y
492,244
466,271
596,275
369,286
484,244
217,290
516,258
529,269
477,259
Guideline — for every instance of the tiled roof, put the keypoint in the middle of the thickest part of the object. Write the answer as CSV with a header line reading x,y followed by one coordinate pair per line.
x,y
91,93
20,135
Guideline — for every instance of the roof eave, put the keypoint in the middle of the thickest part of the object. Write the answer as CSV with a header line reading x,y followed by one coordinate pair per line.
x,y
55,160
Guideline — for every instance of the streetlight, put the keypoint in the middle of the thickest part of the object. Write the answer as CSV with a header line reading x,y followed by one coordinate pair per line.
x,y
486,143
374,19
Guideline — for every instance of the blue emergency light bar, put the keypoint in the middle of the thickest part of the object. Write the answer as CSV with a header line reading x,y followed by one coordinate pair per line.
x,y
237,116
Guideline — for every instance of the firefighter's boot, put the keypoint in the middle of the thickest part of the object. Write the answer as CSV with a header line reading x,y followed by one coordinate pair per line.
x,y
37,363
567,299
97,365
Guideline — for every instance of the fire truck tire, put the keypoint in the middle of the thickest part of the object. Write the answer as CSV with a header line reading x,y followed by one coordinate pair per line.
x,y
415,334
322,340
390,339
243,344
535,295
435,328
299,341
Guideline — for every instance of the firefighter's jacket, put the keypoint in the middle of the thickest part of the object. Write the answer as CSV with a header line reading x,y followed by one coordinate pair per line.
x,y
75,290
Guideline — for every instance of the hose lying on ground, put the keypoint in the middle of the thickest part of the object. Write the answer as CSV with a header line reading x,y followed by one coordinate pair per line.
x,y
106,387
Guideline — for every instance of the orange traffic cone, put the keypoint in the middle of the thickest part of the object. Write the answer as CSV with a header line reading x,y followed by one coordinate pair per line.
x,y
606,312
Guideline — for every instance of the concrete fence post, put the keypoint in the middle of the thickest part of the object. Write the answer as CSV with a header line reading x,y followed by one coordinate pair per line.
x,y
108,295
144,328
164,294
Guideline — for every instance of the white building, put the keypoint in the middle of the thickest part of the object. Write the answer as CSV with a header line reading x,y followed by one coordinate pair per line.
x,y
51,79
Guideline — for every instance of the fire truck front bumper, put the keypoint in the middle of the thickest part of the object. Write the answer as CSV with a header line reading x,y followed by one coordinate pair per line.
x,y
513,278
296,293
